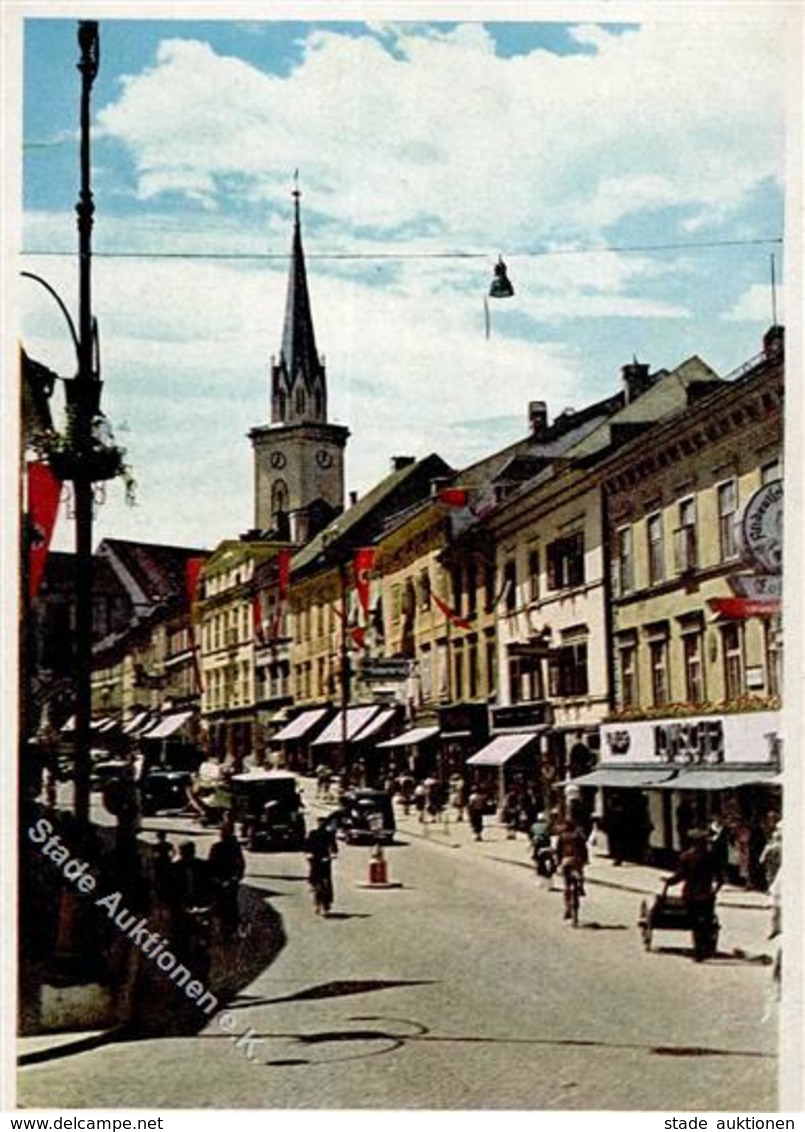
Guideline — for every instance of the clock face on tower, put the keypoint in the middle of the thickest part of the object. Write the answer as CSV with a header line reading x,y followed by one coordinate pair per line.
x,y
324,458
277,460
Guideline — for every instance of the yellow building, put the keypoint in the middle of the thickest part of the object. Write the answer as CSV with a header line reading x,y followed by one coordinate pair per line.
x,y
695,625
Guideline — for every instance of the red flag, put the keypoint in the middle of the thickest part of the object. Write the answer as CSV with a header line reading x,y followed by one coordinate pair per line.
x,y
257,619
739,608
454,496
283,572
363,564
44,489
451,614
192,570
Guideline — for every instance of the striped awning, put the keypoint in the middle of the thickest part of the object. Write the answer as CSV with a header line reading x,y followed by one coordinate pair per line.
x,y
335,731
377,723
501,749
301,726
168,725
411,737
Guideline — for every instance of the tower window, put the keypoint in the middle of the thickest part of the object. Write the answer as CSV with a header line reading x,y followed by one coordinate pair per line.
x,y
300,400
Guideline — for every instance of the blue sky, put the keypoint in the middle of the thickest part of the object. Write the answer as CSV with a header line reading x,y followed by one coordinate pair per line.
x,y
424,151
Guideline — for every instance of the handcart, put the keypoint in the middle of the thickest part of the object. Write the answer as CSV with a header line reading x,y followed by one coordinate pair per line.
x,y
673,913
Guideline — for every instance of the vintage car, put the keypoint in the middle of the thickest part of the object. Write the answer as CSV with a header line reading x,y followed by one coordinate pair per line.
x,y
163,789
365,815
268,807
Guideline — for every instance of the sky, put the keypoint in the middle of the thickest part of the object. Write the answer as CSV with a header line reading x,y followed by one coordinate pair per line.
x,y
630,174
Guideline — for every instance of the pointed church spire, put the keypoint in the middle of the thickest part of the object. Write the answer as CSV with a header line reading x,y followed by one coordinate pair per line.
x,y
300,387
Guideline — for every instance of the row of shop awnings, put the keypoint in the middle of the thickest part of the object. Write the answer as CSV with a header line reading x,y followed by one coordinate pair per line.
x,y
141,726
665,778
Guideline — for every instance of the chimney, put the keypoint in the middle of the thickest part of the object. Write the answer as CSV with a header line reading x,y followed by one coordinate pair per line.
x,y
353,498
774,341
537,417
636,380
400,462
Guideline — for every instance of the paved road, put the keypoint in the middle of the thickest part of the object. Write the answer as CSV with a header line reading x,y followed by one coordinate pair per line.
x,y
464,988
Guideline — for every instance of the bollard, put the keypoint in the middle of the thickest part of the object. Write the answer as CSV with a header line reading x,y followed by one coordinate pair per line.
x,y
378,872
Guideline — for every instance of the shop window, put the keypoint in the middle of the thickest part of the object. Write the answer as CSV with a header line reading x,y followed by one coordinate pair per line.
x,y
625,560
727,507
685,537
658,655
732,645
566,562
568,670
694,671
656,549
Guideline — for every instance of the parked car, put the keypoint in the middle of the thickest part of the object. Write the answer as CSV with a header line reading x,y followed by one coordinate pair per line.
x,y
164,790
268,806
366,815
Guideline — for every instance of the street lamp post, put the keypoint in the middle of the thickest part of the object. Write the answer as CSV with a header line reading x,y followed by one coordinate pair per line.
x,y
85,405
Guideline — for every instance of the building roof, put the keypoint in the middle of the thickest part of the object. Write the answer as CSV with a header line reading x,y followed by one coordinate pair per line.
x,y
298,351
363,521
152,573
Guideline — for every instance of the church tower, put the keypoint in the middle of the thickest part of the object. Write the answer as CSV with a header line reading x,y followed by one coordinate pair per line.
x,y
299,456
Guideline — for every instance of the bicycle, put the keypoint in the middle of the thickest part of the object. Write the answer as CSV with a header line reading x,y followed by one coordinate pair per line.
x,y
574,890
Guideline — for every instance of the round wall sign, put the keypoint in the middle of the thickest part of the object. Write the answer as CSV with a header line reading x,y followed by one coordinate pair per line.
x,y
762,527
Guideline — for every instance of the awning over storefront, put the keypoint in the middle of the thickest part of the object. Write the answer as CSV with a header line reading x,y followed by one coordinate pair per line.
x,y
381,720
357,718
168,725
104,724
623,776
301,726
501,749
724,778
135,722
411,738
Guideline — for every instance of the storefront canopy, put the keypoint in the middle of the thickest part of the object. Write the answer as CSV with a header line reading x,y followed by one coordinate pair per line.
x,y
623,776
168,725
724,778
136,722
301,726
357,718
411,738
381,720
501,749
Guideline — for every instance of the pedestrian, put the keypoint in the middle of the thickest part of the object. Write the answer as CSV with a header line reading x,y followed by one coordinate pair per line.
x,y
541,849
699,876
161,859
509,814
476,806
616,830
420,799
226,869
321,847
685,820
189,898
457,795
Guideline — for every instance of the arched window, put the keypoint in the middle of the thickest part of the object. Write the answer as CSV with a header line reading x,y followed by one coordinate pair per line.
x,y
279,498
300,400
318,403
282,404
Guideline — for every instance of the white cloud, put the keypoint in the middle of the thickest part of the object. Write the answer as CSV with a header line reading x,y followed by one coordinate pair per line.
x,y
442,125
755,304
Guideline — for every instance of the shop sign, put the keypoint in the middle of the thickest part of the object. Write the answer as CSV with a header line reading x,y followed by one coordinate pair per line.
x,y
519,717
761,527
384,669
740,737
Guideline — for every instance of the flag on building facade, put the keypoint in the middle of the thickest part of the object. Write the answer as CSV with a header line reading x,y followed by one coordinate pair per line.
x,y
44,490
192,570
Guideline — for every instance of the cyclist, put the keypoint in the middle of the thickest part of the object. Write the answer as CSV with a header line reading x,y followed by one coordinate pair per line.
x,y
571,853
321,847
